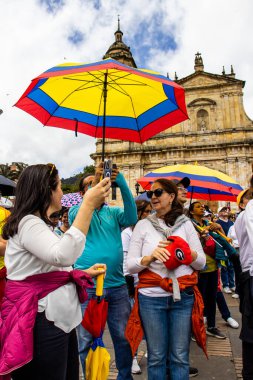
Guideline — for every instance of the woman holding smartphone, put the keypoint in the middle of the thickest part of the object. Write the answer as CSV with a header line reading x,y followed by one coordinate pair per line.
x,y
41,308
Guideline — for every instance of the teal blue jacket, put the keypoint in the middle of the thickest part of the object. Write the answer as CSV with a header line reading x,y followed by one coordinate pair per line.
x,y
223,250
103,241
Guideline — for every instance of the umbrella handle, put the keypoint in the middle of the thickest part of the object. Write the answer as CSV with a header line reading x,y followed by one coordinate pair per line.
x,y
100,284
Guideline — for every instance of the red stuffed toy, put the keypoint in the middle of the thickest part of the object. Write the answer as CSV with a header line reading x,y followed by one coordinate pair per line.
x,y
180,253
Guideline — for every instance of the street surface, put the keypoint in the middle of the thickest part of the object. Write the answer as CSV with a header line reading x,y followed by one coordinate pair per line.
x,y
225,358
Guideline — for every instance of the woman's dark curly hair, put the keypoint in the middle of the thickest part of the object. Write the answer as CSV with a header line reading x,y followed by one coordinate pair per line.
x,y
141,206
33,194
176,207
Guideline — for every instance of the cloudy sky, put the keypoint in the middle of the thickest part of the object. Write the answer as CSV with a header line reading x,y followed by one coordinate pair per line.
x,y
164,35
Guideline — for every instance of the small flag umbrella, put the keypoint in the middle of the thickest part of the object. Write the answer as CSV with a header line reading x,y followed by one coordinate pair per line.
x,y
7,186
105,99
98,358
71,199
207,184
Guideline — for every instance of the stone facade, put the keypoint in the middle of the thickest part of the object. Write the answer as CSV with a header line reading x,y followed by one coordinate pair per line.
x,y
218,133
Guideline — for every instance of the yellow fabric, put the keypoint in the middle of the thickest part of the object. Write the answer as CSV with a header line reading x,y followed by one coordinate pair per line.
x,y
59,88
97,364
3,215
211,265
1,262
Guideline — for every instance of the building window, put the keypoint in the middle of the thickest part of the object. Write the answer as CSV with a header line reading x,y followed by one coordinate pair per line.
x,y
202,120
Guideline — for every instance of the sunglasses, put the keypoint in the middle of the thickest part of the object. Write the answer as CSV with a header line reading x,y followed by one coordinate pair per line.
x,y
51,167
157,192
182,189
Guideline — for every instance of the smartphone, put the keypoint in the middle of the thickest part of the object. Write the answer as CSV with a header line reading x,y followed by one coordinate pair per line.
x,y
107,169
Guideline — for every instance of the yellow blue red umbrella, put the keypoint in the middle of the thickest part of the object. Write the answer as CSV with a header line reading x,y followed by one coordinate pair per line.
x,y
105,99
205,183
94,320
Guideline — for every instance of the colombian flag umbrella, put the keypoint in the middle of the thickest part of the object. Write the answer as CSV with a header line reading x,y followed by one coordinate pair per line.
x,y
105,99
205,183
98,358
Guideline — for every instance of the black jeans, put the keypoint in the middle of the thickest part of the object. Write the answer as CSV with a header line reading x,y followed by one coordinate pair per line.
x,y
235,260
222,305
247,355
55,355
207,285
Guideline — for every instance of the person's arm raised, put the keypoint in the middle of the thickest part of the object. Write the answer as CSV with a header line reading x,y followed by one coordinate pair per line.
x,y
92,199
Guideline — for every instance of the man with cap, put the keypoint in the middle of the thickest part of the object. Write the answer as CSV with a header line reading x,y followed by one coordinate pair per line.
x,y
182,186
223,220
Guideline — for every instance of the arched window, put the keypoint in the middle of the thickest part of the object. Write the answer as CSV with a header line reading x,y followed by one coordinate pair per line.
x,y
202,120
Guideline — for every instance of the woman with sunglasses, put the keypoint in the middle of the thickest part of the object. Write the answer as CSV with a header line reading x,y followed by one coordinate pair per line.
x,y
166,324
41,307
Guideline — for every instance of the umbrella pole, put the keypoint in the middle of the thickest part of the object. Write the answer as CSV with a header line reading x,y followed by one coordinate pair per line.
x,y
191,195
104,115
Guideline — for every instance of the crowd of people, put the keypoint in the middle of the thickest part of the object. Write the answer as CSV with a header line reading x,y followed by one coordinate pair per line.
x,y
166,266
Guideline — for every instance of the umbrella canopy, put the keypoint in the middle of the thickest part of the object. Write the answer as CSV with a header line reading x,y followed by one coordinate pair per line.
x,y
142,197
105,99
7,187
97,362
205,183
95,317
71,199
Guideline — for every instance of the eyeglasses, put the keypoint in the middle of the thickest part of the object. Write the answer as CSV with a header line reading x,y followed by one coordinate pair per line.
x,y
157,192
51,167
182,188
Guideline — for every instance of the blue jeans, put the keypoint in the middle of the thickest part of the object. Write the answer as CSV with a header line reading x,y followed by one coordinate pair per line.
x,y
167,327
227,276
118,314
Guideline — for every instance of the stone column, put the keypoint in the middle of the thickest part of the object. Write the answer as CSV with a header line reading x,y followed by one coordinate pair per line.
x,y
231,110
244,171
237,106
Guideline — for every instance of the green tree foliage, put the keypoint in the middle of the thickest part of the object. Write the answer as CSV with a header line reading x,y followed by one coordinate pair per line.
x,y
70,185
13,170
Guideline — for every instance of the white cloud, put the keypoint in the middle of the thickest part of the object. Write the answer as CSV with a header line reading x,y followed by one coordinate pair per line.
x,y
33,40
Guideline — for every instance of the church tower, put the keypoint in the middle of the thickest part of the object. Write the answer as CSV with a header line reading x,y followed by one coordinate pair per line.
x,y
218,133
119,50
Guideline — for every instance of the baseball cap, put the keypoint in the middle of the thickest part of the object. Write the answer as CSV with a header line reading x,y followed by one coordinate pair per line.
x,y
240,195
223,208
180,253
184,181
207,213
